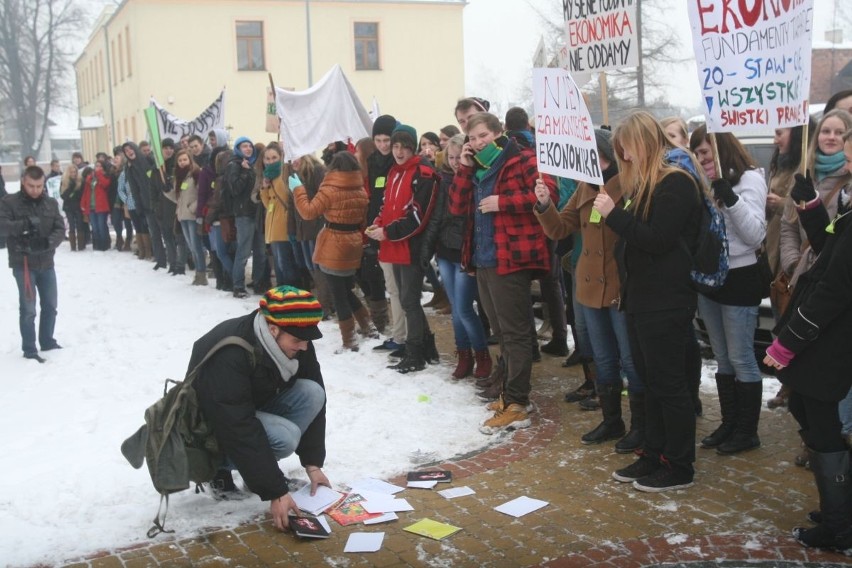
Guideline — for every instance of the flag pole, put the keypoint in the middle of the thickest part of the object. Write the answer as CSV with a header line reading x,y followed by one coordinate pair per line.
x,y
604,97
716,161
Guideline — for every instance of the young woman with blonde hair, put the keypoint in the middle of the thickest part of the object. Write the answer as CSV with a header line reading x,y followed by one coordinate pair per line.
x,y
658,229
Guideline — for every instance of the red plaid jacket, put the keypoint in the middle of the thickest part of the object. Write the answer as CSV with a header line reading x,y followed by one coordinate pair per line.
x,y
518,236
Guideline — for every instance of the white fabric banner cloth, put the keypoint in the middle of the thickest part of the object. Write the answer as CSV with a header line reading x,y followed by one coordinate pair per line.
x,y
175,128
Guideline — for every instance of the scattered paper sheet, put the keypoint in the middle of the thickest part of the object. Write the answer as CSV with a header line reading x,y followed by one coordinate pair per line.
x,y
387,517
324,522
422,484
364,542
432,529
387,506
375,485
318,503
454,492
521,506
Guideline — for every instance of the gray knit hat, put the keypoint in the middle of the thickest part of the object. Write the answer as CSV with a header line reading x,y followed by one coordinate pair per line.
x,y
603,138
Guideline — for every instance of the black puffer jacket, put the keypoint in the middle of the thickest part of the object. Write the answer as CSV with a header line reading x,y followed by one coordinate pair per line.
x,y
230,390
38,244
139,173
445,233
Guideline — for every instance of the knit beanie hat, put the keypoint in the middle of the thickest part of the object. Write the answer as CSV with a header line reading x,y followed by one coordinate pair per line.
x,y
401,134
603,138
293,310
384,125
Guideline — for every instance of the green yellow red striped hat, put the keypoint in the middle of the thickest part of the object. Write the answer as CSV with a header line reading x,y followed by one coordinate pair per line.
x,y
293,310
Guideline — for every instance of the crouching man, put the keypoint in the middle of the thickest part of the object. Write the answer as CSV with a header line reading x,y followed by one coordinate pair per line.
x,y
264,410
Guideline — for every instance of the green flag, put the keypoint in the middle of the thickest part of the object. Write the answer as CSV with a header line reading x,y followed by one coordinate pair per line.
x,y
154,134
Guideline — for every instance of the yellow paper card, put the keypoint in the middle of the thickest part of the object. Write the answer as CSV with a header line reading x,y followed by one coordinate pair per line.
x,y
432,529
380,182
184,185
595,217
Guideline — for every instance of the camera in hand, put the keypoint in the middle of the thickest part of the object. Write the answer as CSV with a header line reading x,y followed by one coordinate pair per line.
x,y
29,241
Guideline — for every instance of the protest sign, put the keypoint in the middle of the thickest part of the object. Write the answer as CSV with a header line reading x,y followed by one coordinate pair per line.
x,y
175,128
327,112
600,34
754,62
565,137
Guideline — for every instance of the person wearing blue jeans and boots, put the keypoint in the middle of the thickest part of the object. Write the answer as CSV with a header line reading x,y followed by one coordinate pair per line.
x,y
33,227
269,406
239,183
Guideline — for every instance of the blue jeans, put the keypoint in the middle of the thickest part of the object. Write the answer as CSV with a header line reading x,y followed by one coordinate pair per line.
x,y
245,238
731,333
845,410
221,248
100,231
611,347
303,251
286,417
193,241
461,290
286,271
44,286
584,342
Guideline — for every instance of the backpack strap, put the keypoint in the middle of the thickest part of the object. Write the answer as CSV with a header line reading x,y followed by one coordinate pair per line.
x,y
224,342
160,519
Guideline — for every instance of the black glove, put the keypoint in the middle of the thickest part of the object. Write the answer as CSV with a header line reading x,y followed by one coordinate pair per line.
x,y
425,261
722,191
803,190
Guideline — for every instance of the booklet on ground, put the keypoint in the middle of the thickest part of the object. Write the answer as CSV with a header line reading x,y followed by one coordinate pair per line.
x,y
316,504
439,476
307,527
432,529
351,510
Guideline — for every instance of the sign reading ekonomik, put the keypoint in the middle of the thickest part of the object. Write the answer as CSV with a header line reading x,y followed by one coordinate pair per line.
x,y
754,62
601,35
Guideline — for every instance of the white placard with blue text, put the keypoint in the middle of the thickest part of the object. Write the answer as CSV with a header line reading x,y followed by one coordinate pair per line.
x,y
564,134
754,62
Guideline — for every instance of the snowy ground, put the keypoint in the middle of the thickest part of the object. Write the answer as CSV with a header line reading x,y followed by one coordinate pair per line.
x,y
68,491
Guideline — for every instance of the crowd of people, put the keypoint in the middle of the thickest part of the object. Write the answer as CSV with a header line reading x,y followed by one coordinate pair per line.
x,y
613,263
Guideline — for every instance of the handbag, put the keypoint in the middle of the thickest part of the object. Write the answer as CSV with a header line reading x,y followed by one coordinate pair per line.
x,y
764,272
229,229
780,292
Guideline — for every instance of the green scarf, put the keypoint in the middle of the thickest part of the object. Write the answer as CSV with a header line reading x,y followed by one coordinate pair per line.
x,y
485,158
272,171
827,164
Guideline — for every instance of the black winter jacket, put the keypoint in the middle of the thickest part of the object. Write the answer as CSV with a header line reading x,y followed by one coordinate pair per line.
x,y
37,243
378,166
239,183
230,390
818,322
445,232
654,258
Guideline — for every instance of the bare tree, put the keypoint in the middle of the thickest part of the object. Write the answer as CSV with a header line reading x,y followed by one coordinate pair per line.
x,y
659,48
34,62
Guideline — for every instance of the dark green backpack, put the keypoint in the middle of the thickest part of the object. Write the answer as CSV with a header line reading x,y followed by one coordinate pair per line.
x,y
176,441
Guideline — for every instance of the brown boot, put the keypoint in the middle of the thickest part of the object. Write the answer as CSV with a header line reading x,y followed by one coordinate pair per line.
x,y
127,244
365,326
483,363
498,374
323,293
779,399
200,279
72,238
465,364
347,333
379,314
439,299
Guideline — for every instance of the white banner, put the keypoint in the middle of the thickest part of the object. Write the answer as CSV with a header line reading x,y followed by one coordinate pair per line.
x,y
327,112
600,36
175,128
754,62
565,136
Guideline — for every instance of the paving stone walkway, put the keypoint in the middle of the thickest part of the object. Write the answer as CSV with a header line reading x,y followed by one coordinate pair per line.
x,y
739,512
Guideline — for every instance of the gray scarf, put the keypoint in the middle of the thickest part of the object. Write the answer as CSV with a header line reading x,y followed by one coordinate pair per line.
x,y
286,366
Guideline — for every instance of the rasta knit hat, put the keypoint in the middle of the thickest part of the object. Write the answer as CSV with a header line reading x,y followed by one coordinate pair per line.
x,y
293,310
384,125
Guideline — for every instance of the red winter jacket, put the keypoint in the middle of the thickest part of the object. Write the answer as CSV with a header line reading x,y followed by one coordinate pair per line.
x,y
409,200
518,236
101,196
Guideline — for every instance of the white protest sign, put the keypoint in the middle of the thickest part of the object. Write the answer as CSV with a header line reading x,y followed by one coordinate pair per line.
x,y
565,137
754,62
601,34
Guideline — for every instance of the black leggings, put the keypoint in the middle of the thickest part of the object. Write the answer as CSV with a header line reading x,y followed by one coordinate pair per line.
x,y
345,300
819,421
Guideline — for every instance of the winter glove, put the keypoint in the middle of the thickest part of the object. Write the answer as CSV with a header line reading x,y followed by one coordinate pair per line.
x,y
803,189
425,261
31,225
199,220
294,181
722,191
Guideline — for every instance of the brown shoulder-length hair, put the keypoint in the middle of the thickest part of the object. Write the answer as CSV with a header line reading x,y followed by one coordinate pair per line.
x,y
310,170
734,159
647,143
193,167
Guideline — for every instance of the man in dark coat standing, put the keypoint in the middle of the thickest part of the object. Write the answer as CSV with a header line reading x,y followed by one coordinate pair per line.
x,y
265,407
33,226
